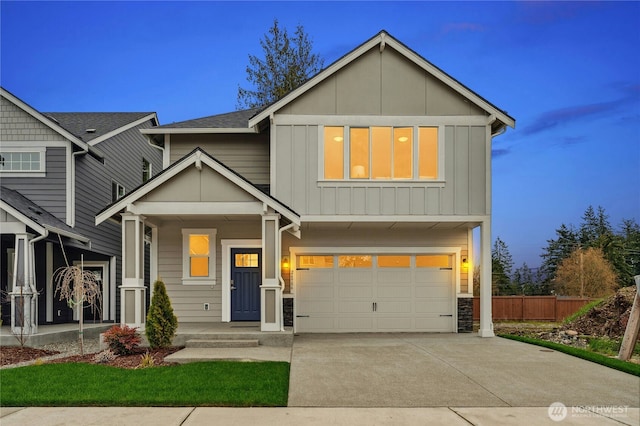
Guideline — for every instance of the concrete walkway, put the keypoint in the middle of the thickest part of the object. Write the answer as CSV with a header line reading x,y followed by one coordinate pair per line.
x,y
189,416
447,370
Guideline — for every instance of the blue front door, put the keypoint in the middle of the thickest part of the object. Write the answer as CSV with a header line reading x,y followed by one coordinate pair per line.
x,y
246,277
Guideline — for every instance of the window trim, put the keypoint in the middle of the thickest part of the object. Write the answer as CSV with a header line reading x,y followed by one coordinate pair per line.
x,y
118,186
211,278
42,151
368,182
146,173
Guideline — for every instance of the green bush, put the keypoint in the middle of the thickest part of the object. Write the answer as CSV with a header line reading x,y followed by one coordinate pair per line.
x,y
161,322
122,340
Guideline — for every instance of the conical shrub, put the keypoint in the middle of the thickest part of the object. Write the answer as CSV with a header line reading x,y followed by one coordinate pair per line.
x,y
161,322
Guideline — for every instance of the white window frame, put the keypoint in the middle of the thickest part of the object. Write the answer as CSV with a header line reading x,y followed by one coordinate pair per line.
x,y
211,279
439,180
118,187
41,172
149,171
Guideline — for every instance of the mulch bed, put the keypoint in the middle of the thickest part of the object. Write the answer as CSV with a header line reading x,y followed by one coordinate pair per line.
x,y
13,355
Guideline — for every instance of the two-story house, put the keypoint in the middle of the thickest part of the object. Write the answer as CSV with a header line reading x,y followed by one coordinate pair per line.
x,y
57,170
346,206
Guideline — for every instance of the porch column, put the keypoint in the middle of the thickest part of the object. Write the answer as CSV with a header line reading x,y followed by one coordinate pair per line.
x,y
486,320
270,290
132,290
23,295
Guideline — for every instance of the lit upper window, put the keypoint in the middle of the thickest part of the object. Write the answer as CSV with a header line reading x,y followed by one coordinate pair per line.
x,y
381,153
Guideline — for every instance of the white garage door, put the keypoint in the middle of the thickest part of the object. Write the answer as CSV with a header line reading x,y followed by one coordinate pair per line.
x,y
374,293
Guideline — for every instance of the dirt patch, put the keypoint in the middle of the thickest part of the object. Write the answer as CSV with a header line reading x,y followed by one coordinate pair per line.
x,y
608,319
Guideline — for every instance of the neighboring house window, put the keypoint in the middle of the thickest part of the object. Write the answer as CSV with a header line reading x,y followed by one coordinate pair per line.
x,y
199,256
146,170
117,191
22,161
381,153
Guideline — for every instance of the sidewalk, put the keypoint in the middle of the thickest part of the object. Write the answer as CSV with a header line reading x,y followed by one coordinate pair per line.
x,y
189,416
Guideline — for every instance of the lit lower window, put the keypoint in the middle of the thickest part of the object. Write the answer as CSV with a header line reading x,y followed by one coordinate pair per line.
x,y
199,255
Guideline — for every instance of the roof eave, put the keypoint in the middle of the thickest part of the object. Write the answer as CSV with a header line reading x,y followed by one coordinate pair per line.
x,y
194,130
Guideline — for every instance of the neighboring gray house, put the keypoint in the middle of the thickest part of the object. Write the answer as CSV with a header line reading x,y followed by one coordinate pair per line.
x,y
346,206
57,170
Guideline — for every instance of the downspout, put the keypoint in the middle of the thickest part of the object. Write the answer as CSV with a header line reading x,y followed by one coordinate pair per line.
x,y
72,222
279,252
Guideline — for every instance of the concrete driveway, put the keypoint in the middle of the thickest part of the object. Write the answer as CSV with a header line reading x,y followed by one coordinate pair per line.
x,y
446,370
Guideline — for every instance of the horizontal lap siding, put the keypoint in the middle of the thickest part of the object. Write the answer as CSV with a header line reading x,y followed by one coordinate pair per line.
x,y
246,154
188,300
464,191
48,192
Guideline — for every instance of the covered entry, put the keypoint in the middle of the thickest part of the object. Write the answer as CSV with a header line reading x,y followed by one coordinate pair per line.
x,y
375,292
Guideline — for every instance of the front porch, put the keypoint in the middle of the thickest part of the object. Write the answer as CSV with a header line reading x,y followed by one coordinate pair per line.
x,y
56,333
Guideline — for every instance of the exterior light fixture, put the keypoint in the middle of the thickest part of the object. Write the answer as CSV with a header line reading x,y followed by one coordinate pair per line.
x,y
285,262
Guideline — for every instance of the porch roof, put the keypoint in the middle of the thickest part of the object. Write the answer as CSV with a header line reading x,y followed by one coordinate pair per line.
x,y
236,194
34,216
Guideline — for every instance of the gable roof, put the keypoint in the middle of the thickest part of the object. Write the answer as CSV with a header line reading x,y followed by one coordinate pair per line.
x,y
197,157
49,122
383,39
35,216
95,127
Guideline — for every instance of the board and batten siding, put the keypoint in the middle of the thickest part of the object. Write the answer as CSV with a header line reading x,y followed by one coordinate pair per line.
x,y
188,300
298,184
246,154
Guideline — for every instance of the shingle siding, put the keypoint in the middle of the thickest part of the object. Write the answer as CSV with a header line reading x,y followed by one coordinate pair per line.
x,y
18,126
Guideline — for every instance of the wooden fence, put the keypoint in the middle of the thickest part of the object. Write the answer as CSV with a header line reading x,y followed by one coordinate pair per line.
x,y
534,308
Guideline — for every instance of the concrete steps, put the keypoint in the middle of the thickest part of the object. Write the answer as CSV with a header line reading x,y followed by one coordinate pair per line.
x,y
222,343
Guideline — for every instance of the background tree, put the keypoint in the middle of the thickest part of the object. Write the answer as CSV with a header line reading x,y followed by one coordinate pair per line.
x,y
288,62
501,263
557,250
585,273
161,323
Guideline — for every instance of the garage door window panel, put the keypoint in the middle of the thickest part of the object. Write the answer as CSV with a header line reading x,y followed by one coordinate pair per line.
x,y
355,261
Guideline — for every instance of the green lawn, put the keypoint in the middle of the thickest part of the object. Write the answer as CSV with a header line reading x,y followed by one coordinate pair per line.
x,y
222,383
627,367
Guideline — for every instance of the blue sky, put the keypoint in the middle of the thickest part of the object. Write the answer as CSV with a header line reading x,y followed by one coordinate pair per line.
x,y
568,72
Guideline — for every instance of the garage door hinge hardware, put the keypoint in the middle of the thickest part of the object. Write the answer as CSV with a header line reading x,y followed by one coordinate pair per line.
x,y
375,306
302,316
450,315
446,269
302,269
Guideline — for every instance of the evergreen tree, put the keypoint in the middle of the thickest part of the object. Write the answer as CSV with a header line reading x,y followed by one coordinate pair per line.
x,y
161,322
288,62
501,263
557,250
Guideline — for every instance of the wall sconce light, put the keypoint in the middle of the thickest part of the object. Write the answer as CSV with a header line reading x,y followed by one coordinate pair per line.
x,y
465,265
285,262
